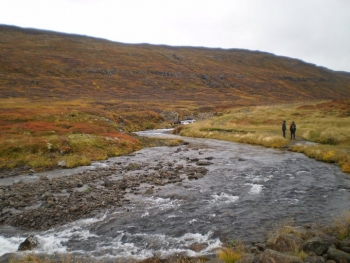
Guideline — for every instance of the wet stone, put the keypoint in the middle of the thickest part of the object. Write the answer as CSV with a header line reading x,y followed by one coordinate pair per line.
x,y
29,244
241,197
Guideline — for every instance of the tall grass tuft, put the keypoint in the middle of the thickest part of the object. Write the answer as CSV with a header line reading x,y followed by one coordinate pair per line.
x,y
233,253
229,255
341,225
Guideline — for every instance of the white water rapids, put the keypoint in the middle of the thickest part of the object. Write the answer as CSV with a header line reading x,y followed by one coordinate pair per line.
x,y
246,191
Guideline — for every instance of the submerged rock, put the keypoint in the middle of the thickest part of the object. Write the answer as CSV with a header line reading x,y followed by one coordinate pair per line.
x,y
30,243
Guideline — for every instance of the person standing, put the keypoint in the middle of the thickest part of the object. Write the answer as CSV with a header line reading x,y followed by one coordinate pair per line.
x,y
284,128
293,128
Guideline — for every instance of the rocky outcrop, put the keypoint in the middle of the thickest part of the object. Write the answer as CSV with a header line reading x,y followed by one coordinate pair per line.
x,y
274,256
306,247
318,245
172,116
338,256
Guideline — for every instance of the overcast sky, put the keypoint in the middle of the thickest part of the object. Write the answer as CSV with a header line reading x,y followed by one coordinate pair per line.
x,y
316,31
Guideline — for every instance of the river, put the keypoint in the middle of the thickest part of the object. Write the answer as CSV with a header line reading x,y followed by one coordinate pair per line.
x,y
246,192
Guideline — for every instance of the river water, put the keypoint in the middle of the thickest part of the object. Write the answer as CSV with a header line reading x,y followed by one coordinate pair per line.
x,y
245,193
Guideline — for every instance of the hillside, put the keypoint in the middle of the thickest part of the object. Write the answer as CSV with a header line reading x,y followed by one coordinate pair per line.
x,y
45,65
66,100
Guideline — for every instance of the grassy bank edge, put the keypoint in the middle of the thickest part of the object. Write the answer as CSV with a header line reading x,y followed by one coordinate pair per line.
x,y
322,135
324,153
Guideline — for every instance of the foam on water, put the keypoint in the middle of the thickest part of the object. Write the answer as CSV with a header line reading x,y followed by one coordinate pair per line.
x,y
116,248
162,203
224,198
145,214
124,245
291,201
154,244
267,184
9,245
259,178
255,188
53,240
304,173
193,221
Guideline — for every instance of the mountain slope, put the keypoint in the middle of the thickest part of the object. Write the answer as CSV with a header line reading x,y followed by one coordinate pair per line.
x,y
66,100
45,65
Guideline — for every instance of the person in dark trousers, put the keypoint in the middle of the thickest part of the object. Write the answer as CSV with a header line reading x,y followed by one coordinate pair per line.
x,y
284,128
292,129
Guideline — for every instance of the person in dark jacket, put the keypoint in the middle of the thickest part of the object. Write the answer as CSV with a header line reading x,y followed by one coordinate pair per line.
x,y
293,128
284,128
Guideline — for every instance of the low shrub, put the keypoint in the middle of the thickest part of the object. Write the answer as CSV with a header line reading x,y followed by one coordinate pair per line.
x,y
232,253
229,255
341,226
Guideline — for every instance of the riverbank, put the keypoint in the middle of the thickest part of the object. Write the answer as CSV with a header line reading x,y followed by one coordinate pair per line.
x,y
323,129
183,198
49,201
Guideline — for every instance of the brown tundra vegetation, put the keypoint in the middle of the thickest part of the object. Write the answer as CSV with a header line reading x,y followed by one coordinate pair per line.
x,y
70,99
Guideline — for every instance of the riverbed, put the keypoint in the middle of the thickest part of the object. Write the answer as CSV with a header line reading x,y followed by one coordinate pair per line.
x,y
245,192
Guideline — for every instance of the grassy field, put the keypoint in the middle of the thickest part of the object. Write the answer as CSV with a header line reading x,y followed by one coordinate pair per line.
x,y
41,135
68,99
326,124
37,134
47,135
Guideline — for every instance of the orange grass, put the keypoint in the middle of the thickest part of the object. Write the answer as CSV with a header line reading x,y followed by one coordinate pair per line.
x,y
42,136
